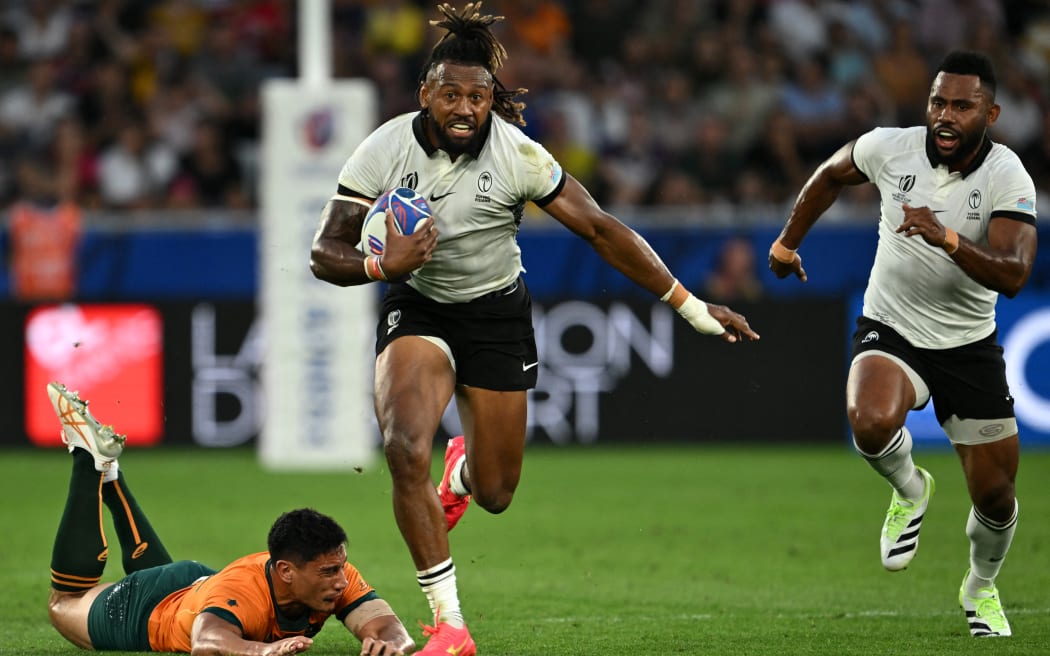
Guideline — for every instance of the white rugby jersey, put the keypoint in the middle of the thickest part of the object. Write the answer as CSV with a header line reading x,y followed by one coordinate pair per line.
x,y
477,201
916,288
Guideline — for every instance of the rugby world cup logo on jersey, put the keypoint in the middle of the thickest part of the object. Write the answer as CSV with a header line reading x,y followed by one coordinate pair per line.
x,y
410,180
905,184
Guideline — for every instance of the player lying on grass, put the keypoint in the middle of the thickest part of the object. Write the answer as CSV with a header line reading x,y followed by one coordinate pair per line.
x,y
269,603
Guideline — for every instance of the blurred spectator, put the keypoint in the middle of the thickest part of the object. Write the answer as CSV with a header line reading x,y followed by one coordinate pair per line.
x,y
395,26
675,188
944,25
541,25
42,27
76,165
848,61
134,172
105,103
902,71
182,23
12,68
599,27
735,277
743,100
1018,96
576,158
209,174
708,158
676,110
29,112
815,106
628,168
800,27
44,243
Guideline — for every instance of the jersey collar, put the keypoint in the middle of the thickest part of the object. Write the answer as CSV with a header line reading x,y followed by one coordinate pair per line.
x,y
421,135
982,154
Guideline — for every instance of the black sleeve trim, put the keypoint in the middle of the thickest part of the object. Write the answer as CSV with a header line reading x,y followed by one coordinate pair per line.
x,y
225,615
347,191
554,194
852,159
341,615
1023,217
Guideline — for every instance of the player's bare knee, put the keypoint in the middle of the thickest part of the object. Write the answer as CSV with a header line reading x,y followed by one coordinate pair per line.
x,y
872,429
494,501
62,608
404,454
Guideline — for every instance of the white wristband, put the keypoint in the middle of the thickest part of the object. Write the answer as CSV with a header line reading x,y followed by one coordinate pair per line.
x,y
695,312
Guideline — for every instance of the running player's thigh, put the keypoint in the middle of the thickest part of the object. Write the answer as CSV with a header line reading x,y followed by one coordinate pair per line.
x,y
414,381
494,433
878,390
69,614
990,470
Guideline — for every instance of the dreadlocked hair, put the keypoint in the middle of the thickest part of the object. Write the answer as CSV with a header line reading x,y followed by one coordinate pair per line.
x,y
469,41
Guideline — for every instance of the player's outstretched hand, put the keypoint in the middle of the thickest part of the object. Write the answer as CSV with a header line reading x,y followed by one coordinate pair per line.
x,y
735,324
403,254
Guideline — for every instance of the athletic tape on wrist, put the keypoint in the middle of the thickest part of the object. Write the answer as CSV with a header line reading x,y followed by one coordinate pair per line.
x,y
374,268
695,312
951,241
782,253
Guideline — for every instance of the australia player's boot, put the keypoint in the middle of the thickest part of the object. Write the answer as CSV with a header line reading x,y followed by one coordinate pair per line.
x,y
445,639
454,504
80,429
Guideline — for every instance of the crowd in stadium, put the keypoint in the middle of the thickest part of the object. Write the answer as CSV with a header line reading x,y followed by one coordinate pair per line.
x,y
146,104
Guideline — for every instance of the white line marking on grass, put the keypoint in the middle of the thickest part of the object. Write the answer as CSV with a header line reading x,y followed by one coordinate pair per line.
x,y
688,617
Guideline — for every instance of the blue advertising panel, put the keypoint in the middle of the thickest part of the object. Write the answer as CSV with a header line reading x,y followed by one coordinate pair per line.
x,y
1024,333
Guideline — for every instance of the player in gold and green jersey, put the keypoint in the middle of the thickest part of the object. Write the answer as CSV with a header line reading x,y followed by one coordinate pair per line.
x,y
272,602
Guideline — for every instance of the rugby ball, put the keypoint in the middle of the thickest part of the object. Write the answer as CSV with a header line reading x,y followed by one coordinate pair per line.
x,y
410,212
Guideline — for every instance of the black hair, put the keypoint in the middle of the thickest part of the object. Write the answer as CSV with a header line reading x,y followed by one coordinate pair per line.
x,y
470,41
963,62
302,535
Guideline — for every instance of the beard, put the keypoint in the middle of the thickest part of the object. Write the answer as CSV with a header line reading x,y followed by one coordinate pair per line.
x,y
969,143
454,147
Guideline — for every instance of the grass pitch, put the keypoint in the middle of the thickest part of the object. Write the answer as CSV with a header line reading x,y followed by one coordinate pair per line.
x,y
654,550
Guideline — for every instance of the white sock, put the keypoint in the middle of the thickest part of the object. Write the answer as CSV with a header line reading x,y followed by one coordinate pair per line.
x,y
989,542
439,585
111,473
455,479
895,464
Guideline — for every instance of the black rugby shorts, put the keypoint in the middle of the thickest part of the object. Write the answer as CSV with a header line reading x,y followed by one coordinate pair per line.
x,y
967,381
491,337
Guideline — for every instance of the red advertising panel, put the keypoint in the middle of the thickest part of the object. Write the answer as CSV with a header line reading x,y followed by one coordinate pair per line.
x,y
112,354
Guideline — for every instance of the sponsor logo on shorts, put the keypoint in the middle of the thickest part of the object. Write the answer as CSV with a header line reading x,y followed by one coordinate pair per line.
x,y
991,430
392,321
873,336
526,367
